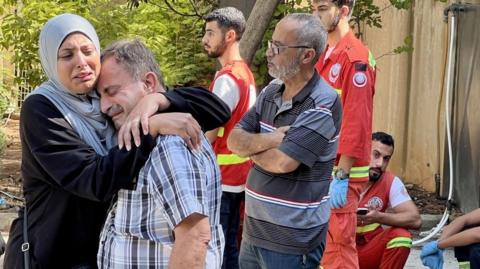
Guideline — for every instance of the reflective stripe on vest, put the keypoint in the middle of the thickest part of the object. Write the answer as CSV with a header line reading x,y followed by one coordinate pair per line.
x,y
221,132
356,172
227,159
339,92
371,60
398,242
464,265
367,228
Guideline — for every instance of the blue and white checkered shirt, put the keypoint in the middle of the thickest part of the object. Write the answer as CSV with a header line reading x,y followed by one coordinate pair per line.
x,y
174,183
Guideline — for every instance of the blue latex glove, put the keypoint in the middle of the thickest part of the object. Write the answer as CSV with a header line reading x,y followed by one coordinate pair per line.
x,y
432,256
433,261
338,192
430,248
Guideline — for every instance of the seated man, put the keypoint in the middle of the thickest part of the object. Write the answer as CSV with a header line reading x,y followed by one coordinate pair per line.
x,y
378,247
172,217
463,234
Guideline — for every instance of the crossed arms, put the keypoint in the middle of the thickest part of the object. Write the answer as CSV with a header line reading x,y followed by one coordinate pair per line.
x,y
262,148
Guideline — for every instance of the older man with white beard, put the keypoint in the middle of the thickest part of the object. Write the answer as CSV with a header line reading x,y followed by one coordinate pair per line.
x,y
291,136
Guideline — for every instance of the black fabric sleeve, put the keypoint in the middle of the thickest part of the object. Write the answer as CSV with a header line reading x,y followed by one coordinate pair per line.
x,y
66,161
209,110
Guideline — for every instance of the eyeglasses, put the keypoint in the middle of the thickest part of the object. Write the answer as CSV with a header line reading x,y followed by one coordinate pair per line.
x,y
276,48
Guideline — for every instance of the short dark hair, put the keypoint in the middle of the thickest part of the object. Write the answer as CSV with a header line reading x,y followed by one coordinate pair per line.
x,y
228,18
383,138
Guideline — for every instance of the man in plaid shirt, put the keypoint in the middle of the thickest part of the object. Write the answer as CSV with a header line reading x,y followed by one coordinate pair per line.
x,y
171,219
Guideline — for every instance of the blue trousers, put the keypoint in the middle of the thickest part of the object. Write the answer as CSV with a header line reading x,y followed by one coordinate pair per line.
x,y
230,221
469,253
252,257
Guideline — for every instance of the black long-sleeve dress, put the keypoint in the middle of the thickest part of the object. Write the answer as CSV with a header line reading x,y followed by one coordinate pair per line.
x,y
68,186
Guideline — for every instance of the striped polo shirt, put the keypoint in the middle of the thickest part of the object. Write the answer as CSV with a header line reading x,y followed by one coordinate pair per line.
x,y
289,212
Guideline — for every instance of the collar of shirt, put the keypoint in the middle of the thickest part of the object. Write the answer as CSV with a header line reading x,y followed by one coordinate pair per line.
x,y
341,46
302,95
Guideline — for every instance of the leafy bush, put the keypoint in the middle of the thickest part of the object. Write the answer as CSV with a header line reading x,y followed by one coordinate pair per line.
x,y
174,39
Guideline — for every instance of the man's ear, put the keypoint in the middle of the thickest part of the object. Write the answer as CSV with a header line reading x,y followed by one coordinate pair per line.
x,y
151,82
230,36
308,55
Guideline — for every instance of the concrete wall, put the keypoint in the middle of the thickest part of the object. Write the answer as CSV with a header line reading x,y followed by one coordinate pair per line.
x,y
409,88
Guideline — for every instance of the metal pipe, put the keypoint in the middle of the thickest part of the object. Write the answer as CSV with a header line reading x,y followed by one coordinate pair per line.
x,y
449,85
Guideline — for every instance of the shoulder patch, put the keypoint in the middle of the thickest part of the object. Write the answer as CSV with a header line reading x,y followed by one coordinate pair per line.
x,y
359,79
361,67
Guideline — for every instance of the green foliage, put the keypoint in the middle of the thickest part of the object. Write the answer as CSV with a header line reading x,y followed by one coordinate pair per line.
x,y
403,4
174,39
20,29
171,28
406,47
176,42
366,12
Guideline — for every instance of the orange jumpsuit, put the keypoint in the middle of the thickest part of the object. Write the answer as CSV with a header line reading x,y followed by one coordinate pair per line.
x,y
350,70
378,247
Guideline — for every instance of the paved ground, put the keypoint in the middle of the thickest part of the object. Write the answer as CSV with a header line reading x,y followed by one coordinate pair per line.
x,y
414,259
412,262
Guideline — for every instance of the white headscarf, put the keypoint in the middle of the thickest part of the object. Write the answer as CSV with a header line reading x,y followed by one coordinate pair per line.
x,y
82,112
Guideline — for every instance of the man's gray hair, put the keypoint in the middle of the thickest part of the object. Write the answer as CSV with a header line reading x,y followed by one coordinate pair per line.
x,y
228,18
310,32
136,57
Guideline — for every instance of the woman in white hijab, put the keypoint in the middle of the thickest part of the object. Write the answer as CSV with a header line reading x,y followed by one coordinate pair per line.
x,y
70,167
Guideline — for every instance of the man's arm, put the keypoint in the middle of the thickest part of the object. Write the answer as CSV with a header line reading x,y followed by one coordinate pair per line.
x,y
204,107
345,163
246,144
464,238
453,235
191,240
209,110
357,115
275,161
212,135
404,215
227,90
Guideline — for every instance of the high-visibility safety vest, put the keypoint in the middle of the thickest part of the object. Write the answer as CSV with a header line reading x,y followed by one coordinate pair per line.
x,y
234,168
377,196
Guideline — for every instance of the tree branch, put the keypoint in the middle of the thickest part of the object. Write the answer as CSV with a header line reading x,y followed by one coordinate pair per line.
x,y
170,6
195,8
385,8
257,24
385,54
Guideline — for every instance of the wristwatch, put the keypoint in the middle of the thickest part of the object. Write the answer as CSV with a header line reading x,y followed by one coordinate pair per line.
x,y
340,174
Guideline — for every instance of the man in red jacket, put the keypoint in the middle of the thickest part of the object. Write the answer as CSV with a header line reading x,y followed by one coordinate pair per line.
x,y
348,66
380,247
235,85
